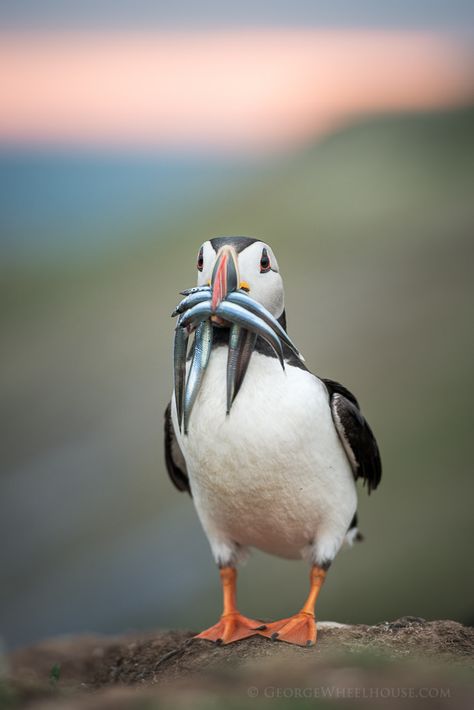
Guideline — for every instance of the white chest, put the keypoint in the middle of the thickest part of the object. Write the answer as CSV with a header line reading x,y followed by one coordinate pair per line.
x,y
272,474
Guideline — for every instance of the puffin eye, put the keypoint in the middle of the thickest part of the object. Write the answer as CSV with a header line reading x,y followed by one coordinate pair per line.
x,y
265,262
200,261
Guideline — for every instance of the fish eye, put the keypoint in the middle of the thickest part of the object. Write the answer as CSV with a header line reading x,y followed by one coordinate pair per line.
x,y
265,264
200,261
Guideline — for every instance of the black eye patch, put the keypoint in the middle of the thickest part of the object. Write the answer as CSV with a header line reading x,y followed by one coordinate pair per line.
x,y
265,264
200,261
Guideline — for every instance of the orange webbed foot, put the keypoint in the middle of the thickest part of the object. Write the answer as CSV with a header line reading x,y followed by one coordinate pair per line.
x,y
232,627
299,629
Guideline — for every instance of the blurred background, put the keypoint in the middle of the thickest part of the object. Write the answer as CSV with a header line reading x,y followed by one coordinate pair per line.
x,y
342,134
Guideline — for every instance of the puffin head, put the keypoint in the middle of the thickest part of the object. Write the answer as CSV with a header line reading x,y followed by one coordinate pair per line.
x,y
240,289
231,263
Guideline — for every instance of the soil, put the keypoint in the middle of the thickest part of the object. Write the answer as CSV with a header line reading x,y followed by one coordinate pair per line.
x,y
408,660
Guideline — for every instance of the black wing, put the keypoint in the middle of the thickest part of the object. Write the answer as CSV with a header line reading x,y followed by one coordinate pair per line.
x,y
355,434
174,458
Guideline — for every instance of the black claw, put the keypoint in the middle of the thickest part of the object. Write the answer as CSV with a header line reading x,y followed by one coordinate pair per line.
x,y
218,642
260,628
309,643
274,636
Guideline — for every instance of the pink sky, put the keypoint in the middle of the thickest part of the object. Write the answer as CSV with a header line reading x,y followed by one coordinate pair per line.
x,y
233,90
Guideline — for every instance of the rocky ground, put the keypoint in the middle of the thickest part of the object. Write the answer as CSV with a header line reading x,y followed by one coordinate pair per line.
x,y
405,662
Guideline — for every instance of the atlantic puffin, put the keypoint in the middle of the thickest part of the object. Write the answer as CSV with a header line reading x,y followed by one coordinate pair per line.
x,y
277,471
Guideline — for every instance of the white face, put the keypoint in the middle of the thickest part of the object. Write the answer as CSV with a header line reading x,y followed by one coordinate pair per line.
x,y
259,274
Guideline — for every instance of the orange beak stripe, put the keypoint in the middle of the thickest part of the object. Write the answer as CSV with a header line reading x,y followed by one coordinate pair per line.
x,y
219,289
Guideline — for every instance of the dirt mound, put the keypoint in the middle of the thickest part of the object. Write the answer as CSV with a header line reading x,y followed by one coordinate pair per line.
x,y
402,658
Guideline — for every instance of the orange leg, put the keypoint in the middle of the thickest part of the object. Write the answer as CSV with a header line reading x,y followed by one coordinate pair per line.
x,y
232,626
299,629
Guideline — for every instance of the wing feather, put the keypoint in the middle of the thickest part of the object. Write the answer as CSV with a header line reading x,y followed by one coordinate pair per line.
x,y
355,434
175,463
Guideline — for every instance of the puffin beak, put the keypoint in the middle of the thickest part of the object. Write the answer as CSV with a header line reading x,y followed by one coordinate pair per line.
x,y
225,275
224,302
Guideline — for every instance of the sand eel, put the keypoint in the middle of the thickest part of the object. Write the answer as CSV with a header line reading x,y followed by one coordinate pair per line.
x,y
269,452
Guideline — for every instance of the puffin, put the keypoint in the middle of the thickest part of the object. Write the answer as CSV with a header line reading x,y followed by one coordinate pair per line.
x,y
270,456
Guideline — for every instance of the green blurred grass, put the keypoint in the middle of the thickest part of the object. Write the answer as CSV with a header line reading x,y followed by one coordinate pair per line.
x,y
373,231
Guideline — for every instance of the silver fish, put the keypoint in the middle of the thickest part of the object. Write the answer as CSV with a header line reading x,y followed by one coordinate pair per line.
x,y
248,344
179,357
202,351
196,314
192,300
235,344
242,299
194,289
241,345
236,314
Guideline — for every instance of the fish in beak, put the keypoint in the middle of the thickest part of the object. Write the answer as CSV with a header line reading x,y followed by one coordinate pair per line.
x,y
241,298
241,345
192,299
225,302
202,352
233,313
194,289
179,357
